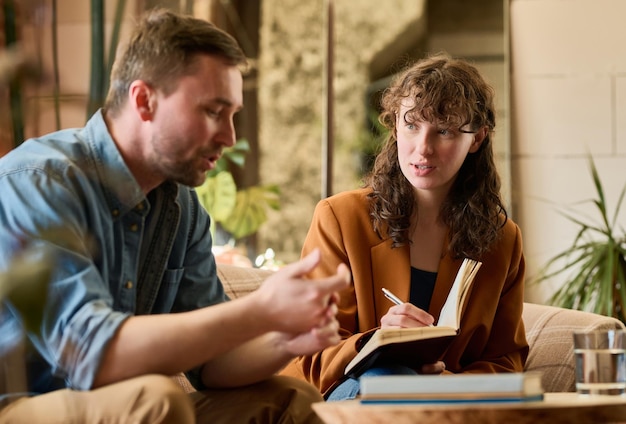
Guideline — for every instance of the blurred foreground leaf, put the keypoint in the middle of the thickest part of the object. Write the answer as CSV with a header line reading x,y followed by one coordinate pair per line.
x,y
25,286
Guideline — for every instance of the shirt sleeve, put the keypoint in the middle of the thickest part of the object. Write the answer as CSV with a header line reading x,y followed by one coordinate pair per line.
x,y
79,320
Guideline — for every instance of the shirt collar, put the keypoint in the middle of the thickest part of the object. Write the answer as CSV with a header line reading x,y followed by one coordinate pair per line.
x,y
120,187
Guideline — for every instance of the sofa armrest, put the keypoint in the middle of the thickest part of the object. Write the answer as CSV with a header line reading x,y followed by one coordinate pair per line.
x,y
549,333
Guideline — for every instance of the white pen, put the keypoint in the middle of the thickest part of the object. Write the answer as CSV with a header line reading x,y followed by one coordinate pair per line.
x,y
395,299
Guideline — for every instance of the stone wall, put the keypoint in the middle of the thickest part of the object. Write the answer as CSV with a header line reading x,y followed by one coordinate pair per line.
x,y
291,101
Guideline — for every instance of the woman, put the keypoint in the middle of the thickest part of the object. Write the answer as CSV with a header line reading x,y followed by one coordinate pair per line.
x,y
431,200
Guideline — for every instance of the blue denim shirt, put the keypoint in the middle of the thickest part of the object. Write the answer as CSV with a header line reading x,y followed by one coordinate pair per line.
x,y
131,253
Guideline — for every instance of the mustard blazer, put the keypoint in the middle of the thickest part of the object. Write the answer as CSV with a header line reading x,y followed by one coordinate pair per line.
x,y
492,336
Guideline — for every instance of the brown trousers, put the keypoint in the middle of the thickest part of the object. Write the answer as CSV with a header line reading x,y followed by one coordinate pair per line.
x,y
155,399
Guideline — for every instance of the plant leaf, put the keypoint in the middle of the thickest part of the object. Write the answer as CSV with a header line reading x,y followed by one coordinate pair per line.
x,y
218,195
25,286
235,155
250,211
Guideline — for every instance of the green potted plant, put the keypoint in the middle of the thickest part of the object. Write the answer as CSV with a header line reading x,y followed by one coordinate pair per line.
x,y
239,212
594,265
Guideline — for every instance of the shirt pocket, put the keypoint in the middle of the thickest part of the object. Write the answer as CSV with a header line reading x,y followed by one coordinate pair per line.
x,y
170,283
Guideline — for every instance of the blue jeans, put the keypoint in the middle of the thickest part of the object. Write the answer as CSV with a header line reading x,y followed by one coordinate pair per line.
x,y
350,388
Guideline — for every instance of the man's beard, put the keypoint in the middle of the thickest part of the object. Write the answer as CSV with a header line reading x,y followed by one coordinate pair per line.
x,y
181,172
185,173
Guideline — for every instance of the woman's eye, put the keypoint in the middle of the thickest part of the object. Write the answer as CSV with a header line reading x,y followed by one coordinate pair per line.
x,y
411,126
446,132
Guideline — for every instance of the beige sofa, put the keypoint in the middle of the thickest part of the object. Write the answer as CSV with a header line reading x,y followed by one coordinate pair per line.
x,y
548,329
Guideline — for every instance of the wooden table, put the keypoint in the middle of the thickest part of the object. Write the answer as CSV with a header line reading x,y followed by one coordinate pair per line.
x,y
555,408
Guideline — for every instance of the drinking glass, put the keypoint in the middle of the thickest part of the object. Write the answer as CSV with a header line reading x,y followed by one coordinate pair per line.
x,y
600,362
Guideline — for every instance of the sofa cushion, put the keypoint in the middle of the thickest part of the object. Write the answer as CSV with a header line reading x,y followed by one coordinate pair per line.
x,y
549,332
239,281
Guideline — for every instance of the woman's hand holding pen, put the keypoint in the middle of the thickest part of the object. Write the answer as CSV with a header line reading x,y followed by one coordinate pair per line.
x,y
404,314
408,315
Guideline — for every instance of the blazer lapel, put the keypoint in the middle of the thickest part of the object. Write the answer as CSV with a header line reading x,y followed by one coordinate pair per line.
x,y
391,268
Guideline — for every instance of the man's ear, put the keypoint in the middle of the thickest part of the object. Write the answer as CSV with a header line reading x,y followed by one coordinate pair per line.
x,y
479,137
142,99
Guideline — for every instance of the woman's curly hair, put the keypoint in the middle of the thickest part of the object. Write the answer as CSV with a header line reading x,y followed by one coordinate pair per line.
x,y
452,92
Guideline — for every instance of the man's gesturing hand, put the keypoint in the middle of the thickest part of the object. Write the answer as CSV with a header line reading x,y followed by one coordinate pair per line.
x,y
295,304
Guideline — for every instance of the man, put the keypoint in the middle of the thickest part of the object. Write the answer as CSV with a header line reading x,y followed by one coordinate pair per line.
x,y
146,303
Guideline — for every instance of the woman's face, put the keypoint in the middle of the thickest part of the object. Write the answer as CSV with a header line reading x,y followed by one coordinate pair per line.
x,y
430,154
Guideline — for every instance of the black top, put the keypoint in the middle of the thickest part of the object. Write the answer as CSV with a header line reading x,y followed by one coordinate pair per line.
x,y
422,286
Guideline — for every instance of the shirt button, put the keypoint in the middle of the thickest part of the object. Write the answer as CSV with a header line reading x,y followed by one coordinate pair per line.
x,y
115,212
133,227
139,207
129,284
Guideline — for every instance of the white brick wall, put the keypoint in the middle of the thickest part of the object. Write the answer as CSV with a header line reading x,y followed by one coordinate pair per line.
x,y
568,81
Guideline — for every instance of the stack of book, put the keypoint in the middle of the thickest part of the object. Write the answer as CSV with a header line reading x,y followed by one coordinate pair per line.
x,y
452,388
